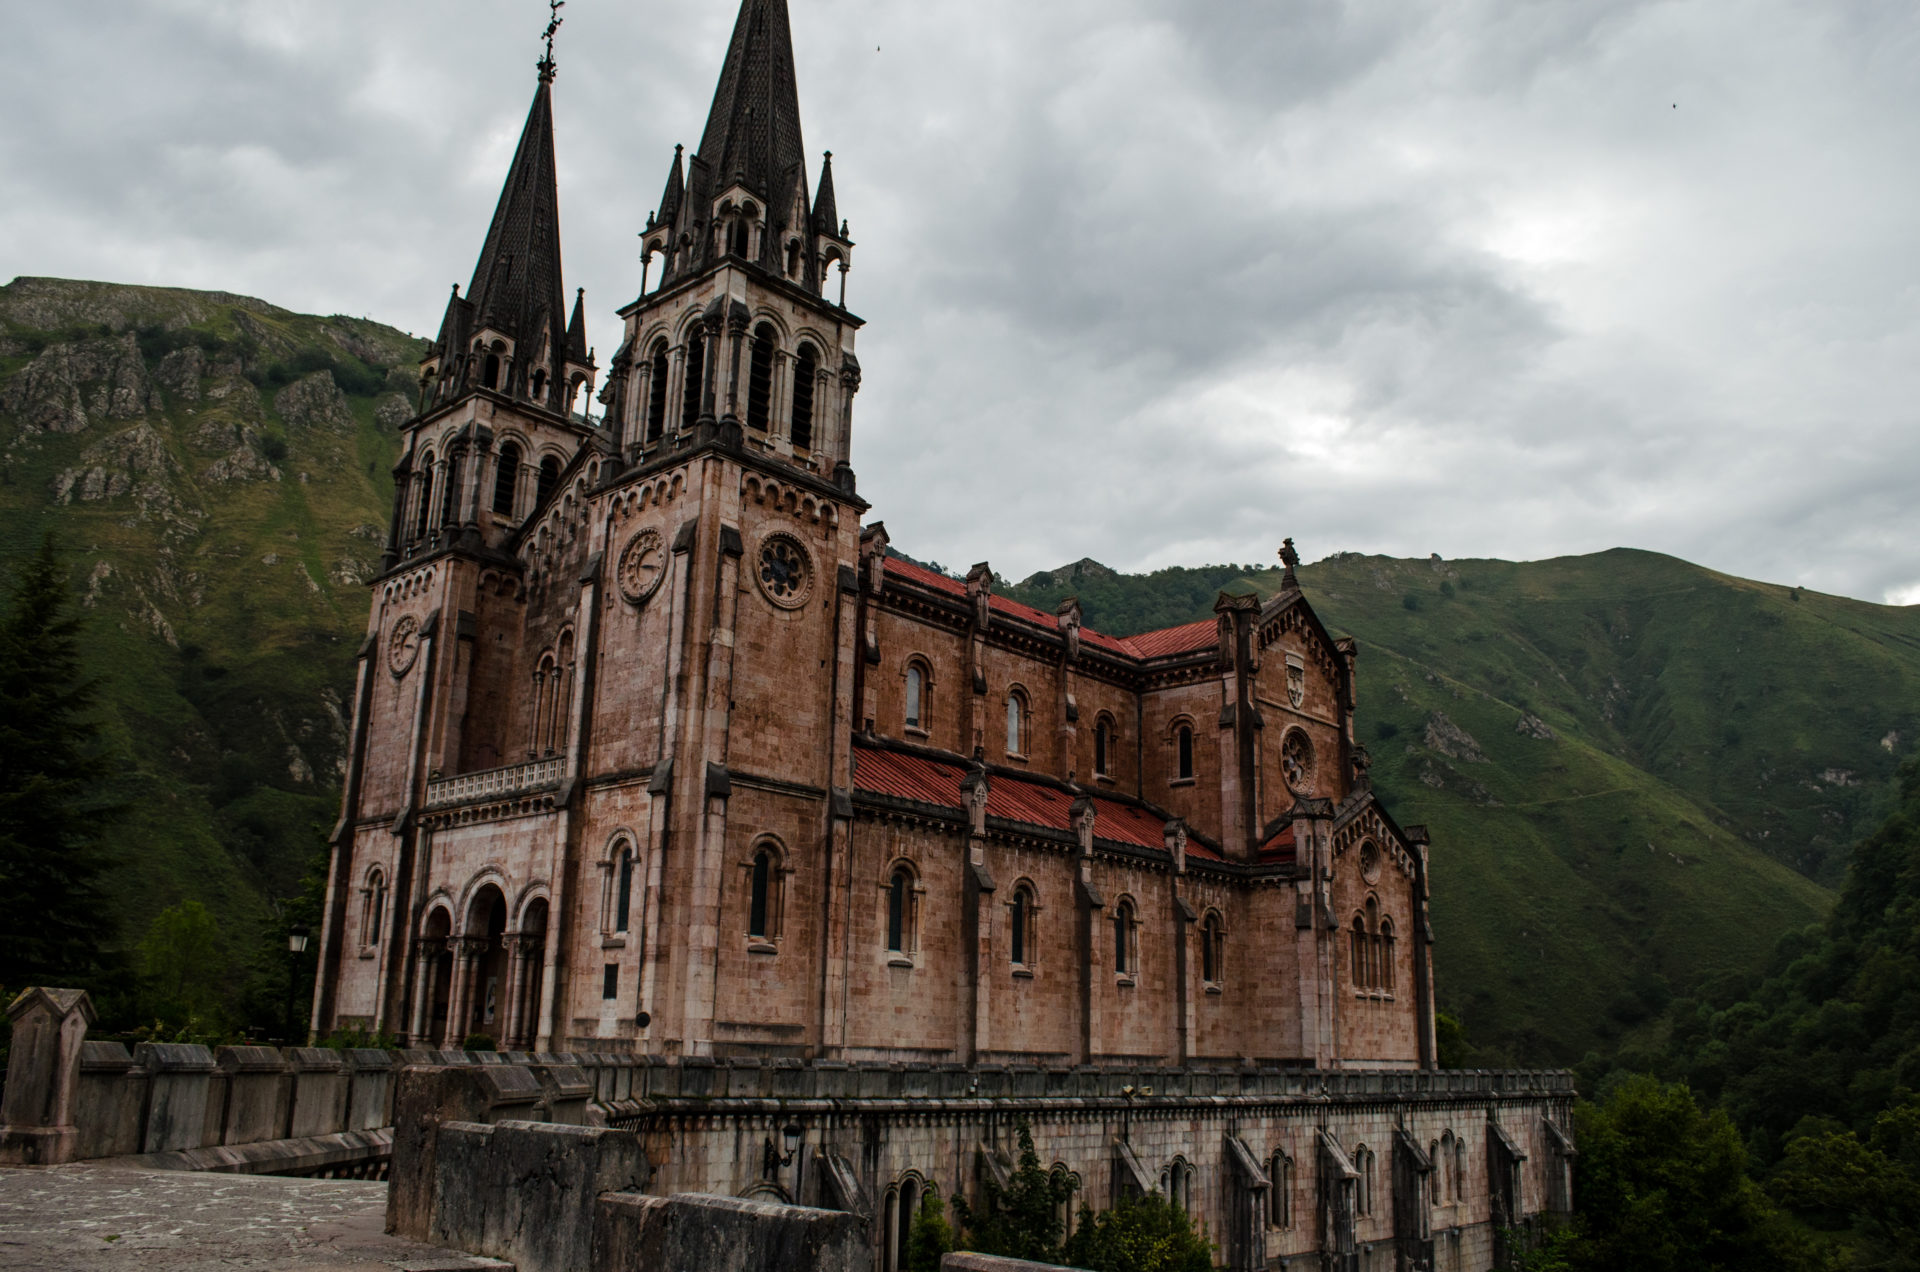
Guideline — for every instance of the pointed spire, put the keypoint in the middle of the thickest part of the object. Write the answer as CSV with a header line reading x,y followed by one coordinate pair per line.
x,y
676,190
753,130
825,212
516,282
577,328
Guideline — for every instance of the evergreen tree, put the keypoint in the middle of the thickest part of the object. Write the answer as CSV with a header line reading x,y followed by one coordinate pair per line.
x,y
54,805
1023,1219
1148,1234
931,1236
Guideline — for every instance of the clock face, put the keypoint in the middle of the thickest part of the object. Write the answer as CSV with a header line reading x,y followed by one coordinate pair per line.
x,y
643,563
784,572
403,644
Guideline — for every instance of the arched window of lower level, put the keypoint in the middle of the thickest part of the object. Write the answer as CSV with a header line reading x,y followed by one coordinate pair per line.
x,y
1183,740
1213,948
1123,944
900,910
1020,925
762,910
376,907
623,889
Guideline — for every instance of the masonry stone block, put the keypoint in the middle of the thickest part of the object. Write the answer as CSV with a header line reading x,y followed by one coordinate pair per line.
x,y
179,1078
107,1106
634,1233
369,1073
425,1098
43,1076
526,1191
566,1091
259,1094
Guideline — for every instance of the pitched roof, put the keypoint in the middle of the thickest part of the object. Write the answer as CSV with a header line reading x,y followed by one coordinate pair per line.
x,y
1186,638
927,780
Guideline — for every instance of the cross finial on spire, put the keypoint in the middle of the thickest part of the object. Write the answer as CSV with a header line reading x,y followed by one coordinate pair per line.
x,y
553,25
1290,559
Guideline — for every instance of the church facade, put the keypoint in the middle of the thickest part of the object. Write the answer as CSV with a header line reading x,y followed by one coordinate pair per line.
x,y
659,747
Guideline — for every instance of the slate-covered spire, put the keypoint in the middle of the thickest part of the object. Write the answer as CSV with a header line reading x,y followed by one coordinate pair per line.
x,y
674,194
577,328
826,212
753,130
516,285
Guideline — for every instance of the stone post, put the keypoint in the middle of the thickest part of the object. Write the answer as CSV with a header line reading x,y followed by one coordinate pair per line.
x,y
36,1120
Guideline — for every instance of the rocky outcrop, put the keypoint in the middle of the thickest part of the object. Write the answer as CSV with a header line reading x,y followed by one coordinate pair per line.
x,y
392,411
315,402
245,462
133,462
1452,741
1530,725
181,372
70,386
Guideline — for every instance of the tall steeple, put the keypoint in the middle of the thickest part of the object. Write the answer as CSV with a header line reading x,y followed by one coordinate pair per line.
x,y
744,196
516,288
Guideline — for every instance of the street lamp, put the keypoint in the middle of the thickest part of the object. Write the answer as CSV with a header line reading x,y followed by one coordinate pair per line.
x,y
296,946
771,1162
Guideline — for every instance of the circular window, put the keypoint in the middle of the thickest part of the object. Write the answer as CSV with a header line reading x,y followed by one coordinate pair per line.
x,y
1296,762
403,644
1370,861
785,573
643,563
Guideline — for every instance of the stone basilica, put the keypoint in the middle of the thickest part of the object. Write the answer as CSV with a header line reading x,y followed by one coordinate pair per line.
x,y
658,747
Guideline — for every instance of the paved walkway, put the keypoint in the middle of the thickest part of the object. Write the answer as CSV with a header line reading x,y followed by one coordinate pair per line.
x,y
101,1219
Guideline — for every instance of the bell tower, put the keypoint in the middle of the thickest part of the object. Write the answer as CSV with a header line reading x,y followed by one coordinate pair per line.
x,y
741,328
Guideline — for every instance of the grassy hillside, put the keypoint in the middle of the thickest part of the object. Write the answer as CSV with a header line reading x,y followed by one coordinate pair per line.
x,y
1639,773
218,471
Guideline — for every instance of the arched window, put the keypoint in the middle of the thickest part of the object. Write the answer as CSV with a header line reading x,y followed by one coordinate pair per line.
x,y
1066,1186
900,909
506,479
425,511
916,696
1020,925
623,889
1177,1180
1384,965
1016,724
537,389
696,376
737,237
657,392
490,371
1103,746
1213,948
376,908
1357,954
1280,1190
1459,1168
760,904
793,259
549,478
450,488
1363,1163
806,364
1123,944
759,376
1183,741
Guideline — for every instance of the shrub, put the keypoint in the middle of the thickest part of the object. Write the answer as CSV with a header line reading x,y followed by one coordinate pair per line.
x,y
477,1042
931,1236
1149,1234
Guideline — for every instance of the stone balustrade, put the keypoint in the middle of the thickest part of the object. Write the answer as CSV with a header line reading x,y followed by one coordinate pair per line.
x,y
497,783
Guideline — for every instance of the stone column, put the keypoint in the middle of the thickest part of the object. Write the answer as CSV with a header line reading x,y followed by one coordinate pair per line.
x,y
464,950
516,990
426,954
736,331
43,1071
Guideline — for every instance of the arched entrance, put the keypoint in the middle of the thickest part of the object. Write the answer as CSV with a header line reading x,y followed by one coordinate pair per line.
x,y
434,986
483,1002
527,966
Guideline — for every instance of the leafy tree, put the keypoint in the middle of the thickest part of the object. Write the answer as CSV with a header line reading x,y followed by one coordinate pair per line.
x,y
1149,1234
1663,1187
182,957
1021,1220
931,1236
54,799
1871,1187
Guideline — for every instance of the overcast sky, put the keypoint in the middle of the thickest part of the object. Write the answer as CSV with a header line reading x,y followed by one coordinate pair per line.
x,y
1156,283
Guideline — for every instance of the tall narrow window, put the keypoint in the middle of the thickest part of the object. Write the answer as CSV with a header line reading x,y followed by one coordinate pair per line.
x,y
1213,948
696,376
490,371
1016,724
1357,953
757,924
805,366
1019,923
657,392
549,478
1386,955
425,511
899,915
610,981
759,376
450,488
1372,950
506,479
915,689
376,908
1123,938
537,389
623,891
1184,740
737,238
1102,746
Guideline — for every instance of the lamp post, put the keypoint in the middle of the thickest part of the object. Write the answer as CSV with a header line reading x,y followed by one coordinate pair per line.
x,y
771,1161
296,946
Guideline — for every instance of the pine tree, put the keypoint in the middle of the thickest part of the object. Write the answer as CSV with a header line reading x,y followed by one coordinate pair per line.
x,y
54,802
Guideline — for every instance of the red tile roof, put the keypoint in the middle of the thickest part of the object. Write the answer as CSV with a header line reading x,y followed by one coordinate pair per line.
x,y
1280,847
1185,639
932,781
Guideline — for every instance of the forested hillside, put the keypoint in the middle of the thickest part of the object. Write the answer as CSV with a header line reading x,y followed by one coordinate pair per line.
x,y
216,471
1621,756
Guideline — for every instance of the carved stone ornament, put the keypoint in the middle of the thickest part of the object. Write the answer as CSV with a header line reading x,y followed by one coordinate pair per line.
x,y
403,645
1296,762
643,563
1296,680
1370,861
784,570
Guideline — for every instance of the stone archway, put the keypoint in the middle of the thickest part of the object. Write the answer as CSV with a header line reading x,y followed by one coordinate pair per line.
x,y
526,964
479,969
433,984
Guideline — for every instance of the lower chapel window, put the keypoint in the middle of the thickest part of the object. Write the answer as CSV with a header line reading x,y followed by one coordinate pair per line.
x,y
763,902
1123,946
623,891
900,907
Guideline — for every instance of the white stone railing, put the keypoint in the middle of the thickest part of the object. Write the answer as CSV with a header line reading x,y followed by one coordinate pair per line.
x,y
498,783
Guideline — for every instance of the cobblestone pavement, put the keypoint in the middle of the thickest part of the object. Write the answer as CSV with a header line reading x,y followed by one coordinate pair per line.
x,y
101,1219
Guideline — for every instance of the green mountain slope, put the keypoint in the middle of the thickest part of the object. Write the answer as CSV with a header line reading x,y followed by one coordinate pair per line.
x,y
1638,772
218,471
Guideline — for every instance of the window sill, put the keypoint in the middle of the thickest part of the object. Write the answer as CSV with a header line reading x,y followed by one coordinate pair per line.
x,y
1015,757
915,731
1105,779
1123,979
757,946
1022,972
899,960
1182,781
616,941
369,951
1215,987
1372,995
